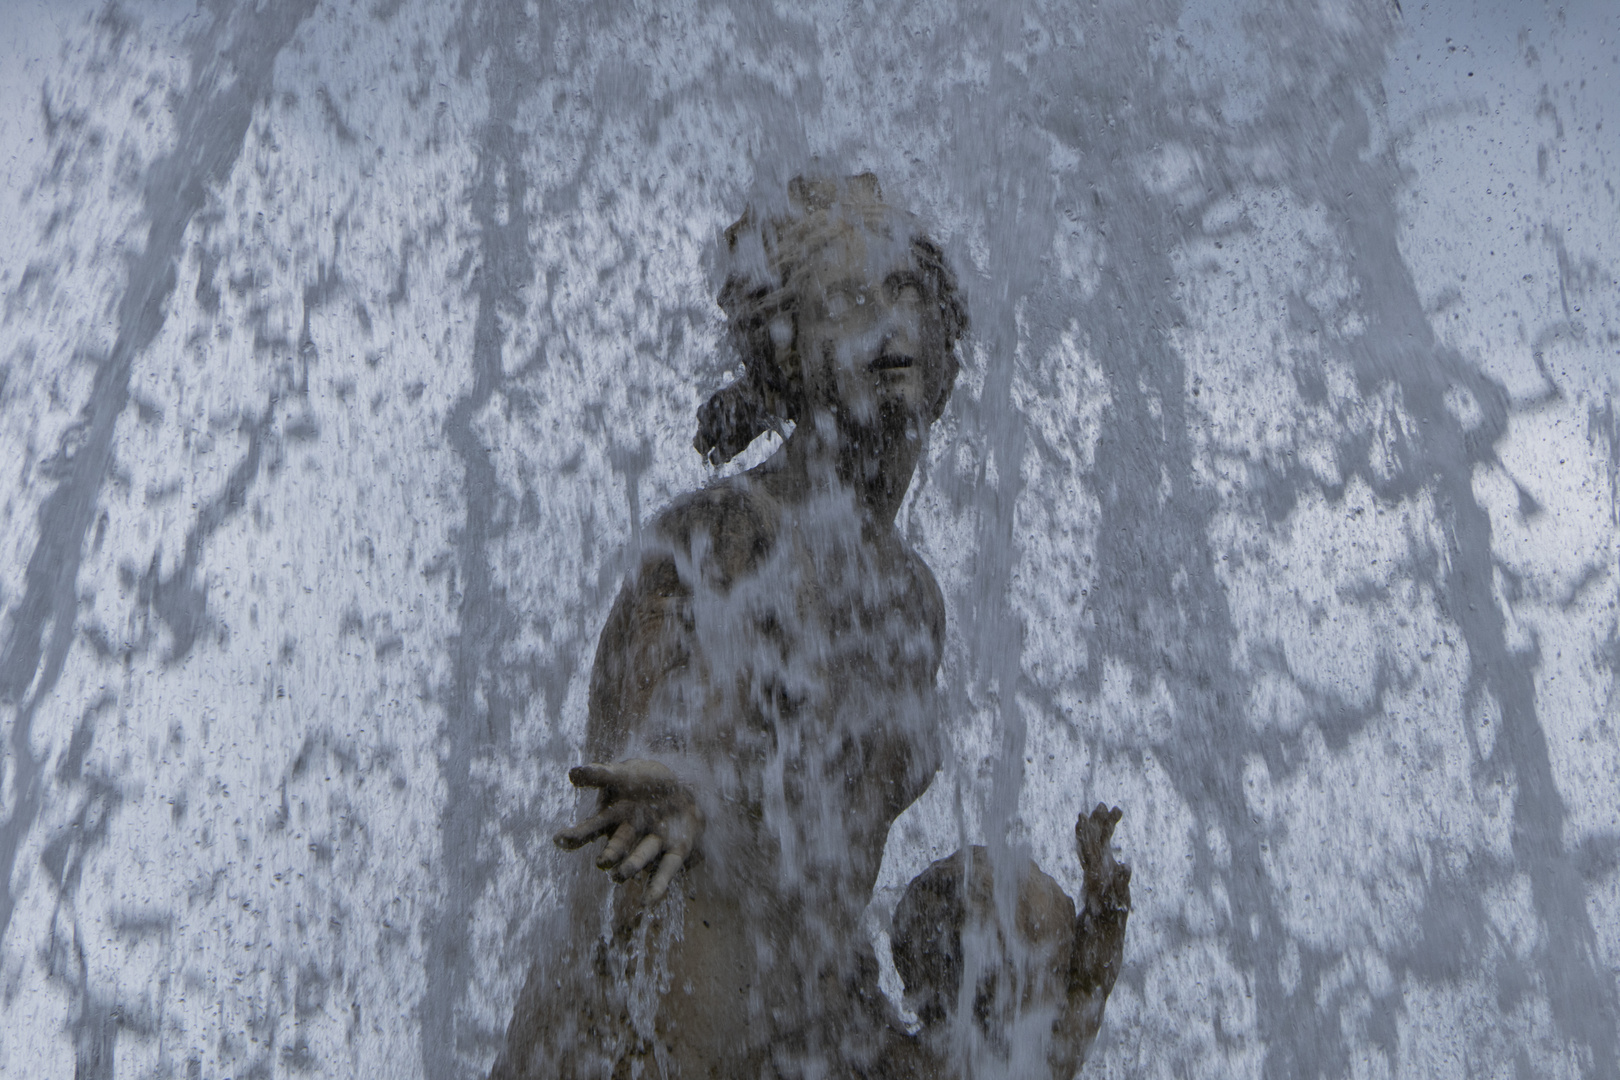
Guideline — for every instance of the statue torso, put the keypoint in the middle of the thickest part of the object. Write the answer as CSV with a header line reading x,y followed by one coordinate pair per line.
x,y
787,664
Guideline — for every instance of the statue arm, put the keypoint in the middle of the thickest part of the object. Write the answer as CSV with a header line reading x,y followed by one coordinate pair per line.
x,y
646,640
1073,957
648,813
1099,939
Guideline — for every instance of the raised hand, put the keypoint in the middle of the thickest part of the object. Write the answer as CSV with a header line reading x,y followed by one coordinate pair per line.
x,y
650,814
1107,882
1099,931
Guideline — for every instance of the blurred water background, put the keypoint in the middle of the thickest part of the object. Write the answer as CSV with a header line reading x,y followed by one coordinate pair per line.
x,y
345,347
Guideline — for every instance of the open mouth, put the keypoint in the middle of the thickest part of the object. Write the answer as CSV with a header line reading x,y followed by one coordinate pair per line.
x,y
890,362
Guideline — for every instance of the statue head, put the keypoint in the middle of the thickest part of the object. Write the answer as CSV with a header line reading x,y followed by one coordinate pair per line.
x,y
841,304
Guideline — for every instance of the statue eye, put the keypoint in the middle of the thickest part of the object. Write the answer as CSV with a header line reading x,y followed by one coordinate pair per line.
x,y
841,302
904,291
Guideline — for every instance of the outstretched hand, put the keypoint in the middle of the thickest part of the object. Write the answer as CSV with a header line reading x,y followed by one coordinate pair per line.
x,y
650,814
1107,882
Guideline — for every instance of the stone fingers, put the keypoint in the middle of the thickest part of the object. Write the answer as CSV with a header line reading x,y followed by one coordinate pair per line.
x,y
677,836
634,778
1085,835
1095,831
623,837
645,852
593,775
668,867
576,836
652,817
1117,894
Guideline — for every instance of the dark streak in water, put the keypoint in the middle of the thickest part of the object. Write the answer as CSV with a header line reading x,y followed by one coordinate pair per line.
x,y
1183,634
478,703
95,1020
177,599
231,66
1581,994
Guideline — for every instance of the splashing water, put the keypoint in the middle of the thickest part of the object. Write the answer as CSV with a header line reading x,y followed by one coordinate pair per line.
x,y
351,352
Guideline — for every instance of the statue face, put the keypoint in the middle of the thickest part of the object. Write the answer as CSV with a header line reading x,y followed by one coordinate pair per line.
x,y
870,341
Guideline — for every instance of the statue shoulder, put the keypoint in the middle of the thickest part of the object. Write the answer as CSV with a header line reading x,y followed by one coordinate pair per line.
x,y
930,598
728,525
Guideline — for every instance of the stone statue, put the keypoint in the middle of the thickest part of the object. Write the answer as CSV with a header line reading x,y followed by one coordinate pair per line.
x,y
763,706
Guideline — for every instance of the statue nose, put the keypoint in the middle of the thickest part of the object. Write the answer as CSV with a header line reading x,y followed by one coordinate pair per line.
x,y
898,335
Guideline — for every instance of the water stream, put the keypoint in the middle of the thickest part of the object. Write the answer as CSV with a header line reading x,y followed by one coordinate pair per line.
x,y
349,353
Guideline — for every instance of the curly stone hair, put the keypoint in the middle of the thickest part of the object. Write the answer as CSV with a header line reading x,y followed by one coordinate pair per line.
x,y
770,391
